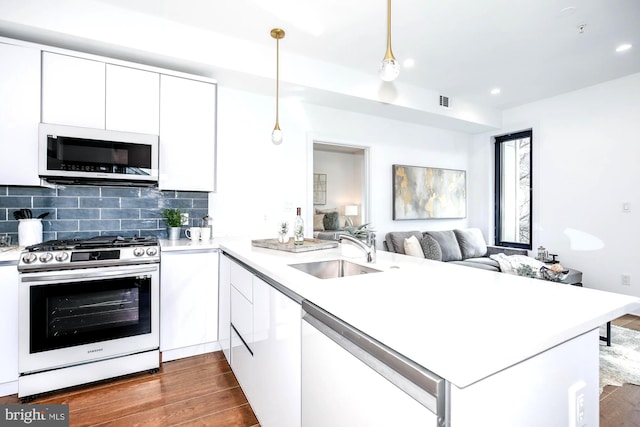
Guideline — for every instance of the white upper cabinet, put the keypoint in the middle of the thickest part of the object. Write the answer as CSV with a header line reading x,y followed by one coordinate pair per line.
x,y
133,100
88,93
187,134
73,91
19,114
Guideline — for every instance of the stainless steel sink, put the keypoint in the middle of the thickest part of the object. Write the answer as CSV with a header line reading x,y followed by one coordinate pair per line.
x,y
334,268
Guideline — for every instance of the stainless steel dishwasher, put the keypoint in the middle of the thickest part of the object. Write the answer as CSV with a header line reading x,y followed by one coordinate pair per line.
x,y
350,379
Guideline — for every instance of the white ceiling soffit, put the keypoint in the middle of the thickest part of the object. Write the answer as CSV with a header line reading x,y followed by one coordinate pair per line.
x,y
461,48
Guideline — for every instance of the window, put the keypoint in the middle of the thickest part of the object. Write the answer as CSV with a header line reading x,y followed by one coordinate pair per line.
x,y
513,167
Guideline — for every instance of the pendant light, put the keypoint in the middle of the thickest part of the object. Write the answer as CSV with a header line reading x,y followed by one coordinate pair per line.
x,y
276,135
389,69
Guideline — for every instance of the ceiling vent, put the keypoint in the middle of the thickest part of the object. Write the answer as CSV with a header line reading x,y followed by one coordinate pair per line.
x,y
444,101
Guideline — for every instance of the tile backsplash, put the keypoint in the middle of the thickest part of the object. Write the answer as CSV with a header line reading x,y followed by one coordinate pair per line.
x,y
87,211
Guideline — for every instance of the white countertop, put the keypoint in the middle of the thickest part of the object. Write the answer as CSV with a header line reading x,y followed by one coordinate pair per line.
x,y
187,245
10,254
461,323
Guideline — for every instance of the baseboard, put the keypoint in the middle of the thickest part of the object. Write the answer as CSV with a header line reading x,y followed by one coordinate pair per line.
x,y
8,388
194,350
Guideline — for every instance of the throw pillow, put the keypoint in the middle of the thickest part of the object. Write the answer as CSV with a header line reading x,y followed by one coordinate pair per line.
x,y
395,240
412,247
448,244
331,221
431,248
318,222
471,242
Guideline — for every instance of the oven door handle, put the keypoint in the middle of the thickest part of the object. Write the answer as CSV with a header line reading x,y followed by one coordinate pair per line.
x,y
104,274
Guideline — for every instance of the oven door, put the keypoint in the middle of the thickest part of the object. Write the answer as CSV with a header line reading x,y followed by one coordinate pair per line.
x,y
76,316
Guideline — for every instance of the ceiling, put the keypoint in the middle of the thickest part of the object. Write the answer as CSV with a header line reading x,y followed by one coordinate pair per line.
x,y
530,49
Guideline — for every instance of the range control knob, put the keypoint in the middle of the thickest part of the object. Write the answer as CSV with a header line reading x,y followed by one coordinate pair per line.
x,y
62,256
152,251
46,257
29,258
138,251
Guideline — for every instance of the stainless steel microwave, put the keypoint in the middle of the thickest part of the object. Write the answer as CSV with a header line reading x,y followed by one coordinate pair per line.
x,y
75,154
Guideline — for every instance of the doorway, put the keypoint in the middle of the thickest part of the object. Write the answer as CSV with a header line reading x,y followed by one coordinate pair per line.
x,y
339,182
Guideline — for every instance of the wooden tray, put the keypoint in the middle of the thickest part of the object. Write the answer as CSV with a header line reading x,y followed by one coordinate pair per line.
x,y
308,245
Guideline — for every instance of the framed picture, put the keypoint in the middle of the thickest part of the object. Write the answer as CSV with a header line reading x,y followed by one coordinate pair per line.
x,y
319,189
428,193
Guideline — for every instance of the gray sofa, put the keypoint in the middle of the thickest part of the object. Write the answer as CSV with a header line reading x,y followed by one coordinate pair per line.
x,y
460,246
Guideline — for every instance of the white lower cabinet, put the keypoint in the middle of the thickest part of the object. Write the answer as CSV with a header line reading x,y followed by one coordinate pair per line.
x,y
188,303
276,348
9,330
339,390
224,306
265,347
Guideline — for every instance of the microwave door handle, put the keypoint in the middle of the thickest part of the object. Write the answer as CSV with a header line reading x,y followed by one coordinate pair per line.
x,y
101,275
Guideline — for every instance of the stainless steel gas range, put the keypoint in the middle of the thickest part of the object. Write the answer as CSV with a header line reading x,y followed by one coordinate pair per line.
x,y
89,310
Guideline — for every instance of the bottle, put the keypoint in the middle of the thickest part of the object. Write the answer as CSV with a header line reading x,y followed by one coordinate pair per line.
x,y
298,229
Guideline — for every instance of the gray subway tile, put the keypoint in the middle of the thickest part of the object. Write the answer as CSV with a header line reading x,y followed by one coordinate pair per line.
x,y
80,191
191,195
119,213
102,202
64,225
138,203
141,224
78,213
201,203
119,192
31,191
55,202
67,235
98,225
15,202
175,203
150,213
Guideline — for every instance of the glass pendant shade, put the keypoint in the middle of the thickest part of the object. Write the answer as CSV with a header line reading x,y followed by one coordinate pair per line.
x,y
276,136
389,69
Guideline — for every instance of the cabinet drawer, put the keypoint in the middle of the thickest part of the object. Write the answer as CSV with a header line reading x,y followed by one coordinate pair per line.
x,y
242,280
242,316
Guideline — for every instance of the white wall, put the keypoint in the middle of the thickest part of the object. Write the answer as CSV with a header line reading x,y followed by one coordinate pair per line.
x,y
586,155
260,183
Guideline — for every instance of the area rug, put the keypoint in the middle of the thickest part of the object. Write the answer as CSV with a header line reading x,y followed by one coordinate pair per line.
x,y
620,363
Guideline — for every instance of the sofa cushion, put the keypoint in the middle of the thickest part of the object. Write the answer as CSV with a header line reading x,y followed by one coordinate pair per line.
x,y
412,247
395,240
470,262
431,248
448,244
490,264
331,221
471,242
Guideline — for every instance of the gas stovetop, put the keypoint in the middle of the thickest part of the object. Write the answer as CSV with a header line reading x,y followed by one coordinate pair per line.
x,y
97,251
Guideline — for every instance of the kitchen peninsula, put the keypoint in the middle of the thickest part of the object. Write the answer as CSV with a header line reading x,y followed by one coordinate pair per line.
x,y
512,350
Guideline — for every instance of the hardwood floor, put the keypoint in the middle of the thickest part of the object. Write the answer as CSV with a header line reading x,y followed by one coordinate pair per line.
x,y
203,391
199,390
620,406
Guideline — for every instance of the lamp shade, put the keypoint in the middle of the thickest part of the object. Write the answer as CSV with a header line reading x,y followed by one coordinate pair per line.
x,y
351,210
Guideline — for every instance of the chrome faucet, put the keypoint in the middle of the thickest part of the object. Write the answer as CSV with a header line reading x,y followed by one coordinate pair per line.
x,y
369,248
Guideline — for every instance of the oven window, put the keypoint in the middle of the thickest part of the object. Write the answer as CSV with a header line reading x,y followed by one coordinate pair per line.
x,y
65,315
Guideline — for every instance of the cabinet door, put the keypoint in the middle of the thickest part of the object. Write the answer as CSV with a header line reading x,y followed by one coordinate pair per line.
x,y
224,306
187,134
339,390
19,114
9,329
276,354
73,91
133,100
241,342
188,298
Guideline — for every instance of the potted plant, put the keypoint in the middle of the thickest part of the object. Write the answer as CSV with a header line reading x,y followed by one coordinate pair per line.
x,y
173,218
361,232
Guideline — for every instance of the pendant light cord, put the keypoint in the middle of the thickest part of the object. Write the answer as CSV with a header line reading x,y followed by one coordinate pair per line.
x,y
389,53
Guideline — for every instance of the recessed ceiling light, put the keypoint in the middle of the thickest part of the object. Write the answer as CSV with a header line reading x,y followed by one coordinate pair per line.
x,y
623,47
495,91
408,63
